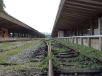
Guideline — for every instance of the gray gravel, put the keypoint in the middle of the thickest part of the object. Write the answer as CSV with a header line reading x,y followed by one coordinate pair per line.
x,y
18,73
23,56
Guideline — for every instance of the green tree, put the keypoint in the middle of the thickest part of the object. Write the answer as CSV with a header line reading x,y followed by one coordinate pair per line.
x,y
2,5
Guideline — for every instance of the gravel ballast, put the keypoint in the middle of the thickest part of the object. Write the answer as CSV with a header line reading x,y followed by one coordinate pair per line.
x,y
23,56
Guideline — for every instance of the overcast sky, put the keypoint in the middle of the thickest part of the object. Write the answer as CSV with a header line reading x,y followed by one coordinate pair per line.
x,y
39,14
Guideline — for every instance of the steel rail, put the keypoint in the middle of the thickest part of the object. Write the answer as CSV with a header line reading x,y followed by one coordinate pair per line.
x,y
50,65
50,69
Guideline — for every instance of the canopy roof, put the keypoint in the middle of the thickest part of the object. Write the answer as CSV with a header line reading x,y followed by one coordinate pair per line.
x,y
9,22
76,12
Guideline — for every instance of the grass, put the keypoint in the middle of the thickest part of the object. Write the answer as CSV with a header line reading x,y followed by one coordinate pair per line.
x,y
86,64
4,55
29,65
8,45
44,63
58,49
87,51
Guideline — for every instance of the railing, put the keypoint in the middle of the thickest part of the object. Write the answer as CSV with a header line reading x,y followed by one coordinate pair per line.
x,y
94,41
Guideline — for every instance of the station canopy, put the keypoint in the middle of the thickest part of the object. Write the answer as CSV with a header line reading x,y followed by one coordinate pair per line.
x,y
76,12
11,23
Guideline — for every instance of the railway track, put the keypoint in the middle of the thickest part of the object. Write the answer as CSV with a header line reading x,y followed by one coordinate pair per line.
x,y
63,61
68,62
53,58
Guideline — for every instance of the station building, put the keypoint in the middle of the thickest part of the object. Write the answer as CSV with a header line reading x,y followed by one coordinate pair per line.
x,y
80,21
11,27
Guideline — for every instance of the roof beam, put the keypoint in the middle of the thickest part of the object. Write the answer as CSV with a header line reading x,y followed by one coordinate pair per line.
x,y
85,5
99,2
2,21
75,17
70,10
77,14
80,8
73,14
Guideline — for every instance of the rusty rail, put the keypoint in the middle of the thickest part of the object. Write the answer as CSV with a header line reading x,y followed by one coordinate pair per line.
x,y
50,69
